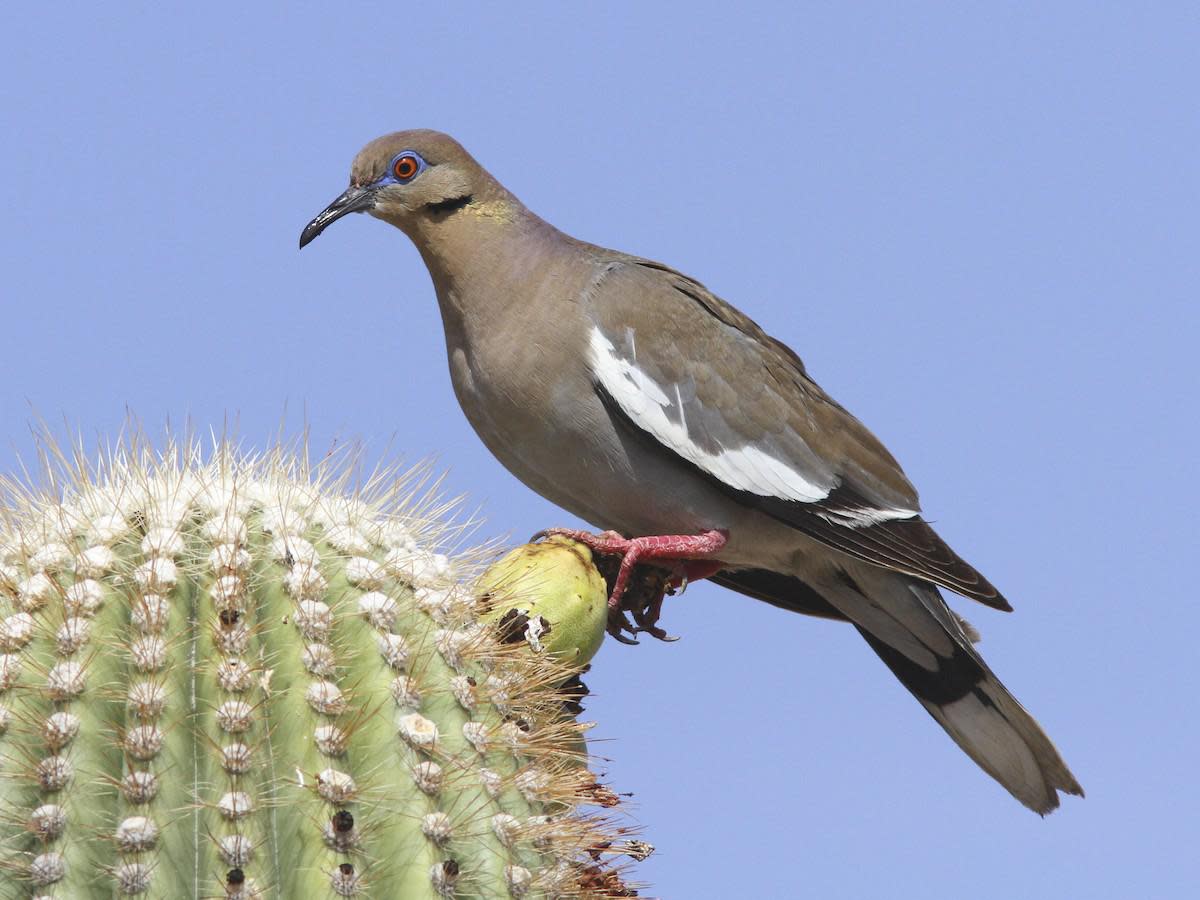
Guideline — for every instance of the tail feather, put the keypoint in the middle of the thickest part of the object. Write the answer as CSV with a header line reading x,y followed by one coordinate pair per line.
x,y
929,649
988,723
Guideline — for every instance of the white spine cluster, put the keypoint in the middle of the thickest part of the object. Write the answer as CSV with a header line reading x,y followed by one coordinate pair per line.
x,y
140,600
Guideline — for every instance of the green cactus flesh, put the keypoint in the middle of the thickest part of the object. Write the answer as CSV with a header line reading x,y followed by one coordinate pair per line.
x,y
233,678
555,592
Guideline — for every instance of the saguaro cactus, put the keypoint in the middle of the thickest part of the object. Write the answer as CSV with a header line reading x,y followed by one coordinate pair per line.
x,y
231,677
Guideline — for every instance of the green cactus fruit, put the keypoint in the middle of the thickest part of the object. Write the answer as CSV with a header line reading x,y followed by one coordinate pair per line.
x,y
553,592
231,678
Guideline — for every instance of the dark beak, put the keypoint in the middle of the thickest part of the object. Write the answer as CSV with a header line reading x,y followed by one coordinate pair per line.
x,y
355,199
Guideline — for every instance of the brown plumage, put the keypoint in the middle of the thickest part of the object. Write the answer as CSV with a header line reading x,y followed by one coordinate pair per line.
x,y
629,394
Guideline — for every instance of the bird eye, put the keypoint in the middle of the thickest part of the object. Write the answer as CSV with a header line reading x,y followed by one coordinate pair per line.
x,y
405,167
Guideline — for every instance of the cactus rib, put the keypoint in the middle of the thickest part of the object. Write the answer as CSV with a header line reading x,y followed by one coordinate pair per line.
x,y
225,675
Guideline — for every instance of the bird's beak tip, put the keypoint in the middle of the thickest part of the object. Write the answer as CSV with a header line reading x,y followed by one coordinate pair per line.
x,y
353,199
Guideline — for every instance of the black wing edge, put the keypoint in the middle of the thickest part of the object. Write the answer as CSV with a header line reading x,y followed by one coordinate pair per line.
x,y
906,545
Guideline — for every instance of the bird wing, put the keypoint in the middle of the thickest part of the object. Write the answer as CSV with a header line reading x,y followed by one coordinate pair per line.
x,y
684,368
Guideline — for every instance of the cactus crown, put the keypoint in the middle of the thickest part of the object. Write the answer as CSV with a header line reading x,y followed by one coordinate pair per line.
x,y
225,675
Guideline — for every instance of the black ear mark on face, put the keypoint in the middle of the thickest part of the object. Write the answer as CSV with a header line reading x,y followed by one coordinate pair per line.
x,y
451,205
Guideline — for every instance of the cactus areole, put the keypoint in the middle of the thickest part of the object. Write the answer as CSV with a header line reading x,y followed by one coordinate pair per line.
x,y
231,677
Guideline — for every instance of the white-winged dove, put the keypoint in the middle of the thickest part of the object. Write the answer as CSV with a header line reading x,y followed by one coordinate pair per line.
x,y
629,394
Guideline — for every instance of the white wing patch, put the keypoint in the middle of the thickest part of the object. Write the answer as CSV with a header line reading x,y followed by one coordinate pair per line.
x,y
862,518
745,468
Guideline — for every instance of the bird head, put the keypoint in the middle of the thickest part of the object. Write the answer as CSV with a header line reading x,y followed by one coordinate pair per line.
x,y
406,178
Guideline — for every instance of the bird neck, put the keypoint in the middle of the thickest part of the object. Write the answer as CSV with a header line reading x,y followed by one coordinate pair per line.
x,y
482,250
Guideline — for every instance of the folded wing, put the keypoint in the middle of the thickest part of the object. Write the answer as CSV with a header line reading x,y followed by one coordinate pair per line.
x,y
689,372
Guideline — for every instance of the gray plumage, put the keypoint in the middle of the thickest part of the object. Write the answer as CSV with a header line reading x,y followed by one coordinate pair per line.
x,y
630,395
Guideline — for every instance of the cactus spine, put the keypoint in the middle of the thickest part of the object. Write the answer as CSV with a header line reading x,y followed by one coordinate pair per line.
x,y
228,677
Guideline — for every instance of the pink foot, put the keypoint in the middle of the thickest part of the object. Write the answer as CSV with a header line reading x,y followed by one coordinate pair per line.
x,y
690,557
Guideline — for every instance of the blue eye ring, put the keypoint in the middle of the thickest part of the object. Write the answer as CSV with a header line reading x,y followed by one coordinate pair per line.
x,y
405,167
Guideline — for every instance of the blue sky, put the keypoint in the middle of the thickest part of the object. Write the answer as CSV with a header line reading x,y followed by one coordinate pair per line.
x,y
977,225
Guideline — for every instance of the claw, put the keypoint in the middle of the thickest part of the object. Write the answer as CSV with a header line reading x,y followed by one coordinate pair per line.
x,y
618,622
677,554
679,590
647,620
655,632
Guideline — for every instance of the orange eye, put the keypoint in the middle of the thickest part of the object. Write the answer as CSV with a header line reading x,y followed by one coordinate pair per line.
x,y
405,167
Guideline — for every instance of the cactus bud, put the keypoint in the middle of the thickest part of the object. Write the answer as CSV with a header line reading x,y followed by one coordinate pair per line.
x,y
551,596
